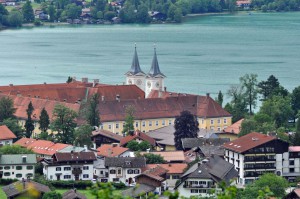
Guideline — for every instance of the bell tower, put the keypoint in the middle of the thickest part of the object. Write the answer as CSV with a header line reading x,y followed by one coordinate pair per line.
x,y
154,78
135,75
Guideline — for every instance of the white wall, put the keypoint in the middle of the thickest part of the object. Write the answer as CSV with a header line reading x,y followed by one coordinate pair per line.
x,y
15,173
6,142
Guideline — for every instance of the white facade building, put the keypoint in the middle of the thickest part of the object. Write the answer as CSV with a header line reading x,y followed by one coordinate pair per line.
x,y
6,136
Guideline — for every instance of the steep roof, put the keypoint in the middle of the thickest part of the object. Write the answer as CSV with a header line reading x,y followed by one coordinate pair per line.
x,y
108,150
174,168
125,162
17,159
189,143
25,142
138,190
169,156
235,128
248,141
6,133
135,66
73,194
155,173
138,135
108,134
154,70
17,188
75,156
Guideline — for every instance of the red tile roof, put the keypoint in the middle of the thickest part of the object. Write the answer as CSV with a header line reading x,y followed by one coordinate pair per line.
x,y
155,173
75,156
6,134
107,150
294,149
174,168
165,94
234,128
138,135
25,142
248,141
170,107
169,156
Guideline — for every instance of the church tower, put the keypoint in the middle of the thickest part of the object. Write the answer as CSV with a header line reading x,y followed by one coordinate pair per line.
x,y
155,78
135,75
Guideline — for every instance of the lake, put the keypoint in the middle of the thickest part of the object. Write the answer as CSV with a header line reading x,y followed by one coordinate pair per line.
x,y
203,54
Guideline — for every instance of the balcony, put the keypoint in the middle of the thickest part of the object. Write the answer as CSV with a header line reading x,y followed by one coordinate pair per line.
x,y
204,186
259,159
259,166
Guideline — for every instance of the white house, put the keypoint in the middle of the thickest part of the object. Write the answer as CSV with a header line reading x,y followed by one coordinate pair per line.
x,y
6,136
69,166
203,177
17,166
124,169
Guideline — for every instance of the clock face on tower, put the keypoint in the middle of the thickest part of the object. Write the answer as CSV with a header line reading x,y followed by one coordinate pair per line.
x,y
149,84
157,84
139,82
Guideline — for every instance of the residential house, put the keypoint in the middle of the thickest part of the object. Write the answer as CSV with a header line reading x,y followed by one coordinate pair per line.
x,y
105,137
17,166
124,169
291,167
113,150
73,194
25,189
245,4
231,131
174,171
169,156
139,137
40,14
203,177
6,136
255,154
157,16
69,166
100,171
295,194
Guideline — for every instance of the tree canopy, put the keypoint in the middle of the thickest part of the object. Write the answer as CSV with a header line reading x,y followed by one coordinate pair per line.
x,y
44,120
83,135
92,114
28,13
7,109
14,149
129,120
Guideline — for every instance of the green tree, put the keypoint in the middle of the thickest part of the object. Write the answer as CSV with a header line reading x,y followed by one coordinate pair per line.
x,y
133,145
44,120
267,88
52,195
171,11
28,12
249,84
129,120
142,14
92,115
14,149
220,98
69,80
144,145
29,126
154,159
295,100
296,137
178,15
51,12
14,126
3,14
248,126
231,5
64,123
7,109
109,15
15,19
73,11
186,126
127,14
83,136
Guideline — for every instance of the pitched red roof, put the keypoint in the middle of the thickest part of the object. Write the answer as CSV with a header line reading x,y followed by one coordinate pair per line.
x,y
138,135
107,150
174,168
25,142
155,173
294,149
6,133
169,156
234,128
75,156
248,141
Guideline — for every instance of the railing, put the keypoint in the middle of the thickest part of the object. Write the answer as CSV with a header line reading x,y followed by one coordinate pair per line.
x,y
196,186
260,167
258,159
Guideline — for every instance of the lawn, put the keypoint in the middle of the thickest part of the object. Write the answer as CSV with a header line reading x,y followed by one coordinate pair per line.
x,y
2,194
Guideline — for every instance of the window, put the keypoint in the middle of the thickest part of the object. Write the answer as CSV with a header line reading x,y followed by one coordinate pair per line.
x,y
101,172
58,168
211,121
219,128
225,121
85,175
194,190
6,173
170,122
67,169
175,177
202,121
136,171
51,177
150,123
119,171
212,128
219,121
6,167
67,176
136,124
112,171
292,162
292,170
85,167
115,179
130,171
156,123
163,122
109,126
117,125
19,175
144,123
18,167
1,168
29,167
29,175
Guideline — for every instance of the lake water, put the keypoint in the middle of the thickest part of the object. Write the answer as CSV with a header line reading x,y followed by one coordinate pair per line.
x,y
204,54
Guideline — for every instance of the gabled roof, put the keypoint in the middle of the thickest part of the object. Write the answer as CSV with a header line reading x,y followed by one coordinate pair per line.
x,y
125,162
139,190
154,70
107,150
135,66
234,128
108,134
25,142
18,187
189,143
73,194
155,173
6,134
169,156
248,141
75,156
17,159
138,135
174,168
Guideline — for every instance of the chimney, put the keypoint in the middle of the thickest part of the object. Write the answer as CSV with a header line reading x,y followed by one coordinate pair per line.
x,y
207,94
84,80
11,85
24,157
96,81
165,89
85,147
45,82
